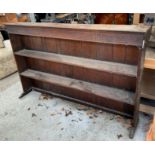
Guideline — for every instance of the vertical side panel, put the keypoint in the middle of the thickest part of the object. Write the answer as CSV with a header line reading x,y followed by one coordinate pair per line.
x,y
141,58
17,44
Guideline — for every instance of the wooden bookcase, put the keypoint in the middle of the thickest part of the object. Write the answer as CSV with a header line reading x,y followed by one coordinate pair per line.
x,y
96,65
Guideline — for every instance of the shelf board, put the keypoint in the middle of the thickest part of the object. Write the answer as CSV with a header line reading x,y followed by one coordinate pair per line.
x,y
147,109
151,42
147,106
150,58
149,63
107,66
148,84
98,27
91,88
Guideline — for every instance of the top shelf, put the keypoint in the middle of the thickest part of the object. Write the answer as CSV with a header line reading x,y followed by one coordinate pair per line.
x,y
133,35
103,27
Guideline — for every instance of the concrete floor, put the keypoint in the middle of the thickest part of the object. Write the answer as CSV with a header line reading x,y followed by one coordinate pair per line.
x,y
40,117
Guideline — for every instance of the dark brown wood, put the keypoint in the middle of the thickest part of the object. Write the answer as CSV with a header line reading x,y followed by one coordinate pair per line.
x,y
89,92
109,52
147,109
17,44
97,65
148,84
116,68
102,72
141,59
103,91
111,18
111,34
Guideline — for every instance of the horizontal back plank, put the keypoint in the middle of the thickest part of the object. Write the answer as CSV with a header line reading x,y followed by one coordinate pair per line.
x,y
90,75
98,36
117,53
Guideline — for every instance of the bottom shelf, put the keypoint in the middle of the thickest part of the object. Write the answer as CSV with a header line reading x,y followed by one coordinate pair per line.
x,y
147,106
117,99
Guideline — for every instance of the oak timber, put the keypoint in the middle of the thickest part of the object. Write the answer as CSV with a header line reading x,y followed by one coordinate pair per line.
x,y
147,109
117,68
111,34
148,84
102,91
150,58
98,64
104,27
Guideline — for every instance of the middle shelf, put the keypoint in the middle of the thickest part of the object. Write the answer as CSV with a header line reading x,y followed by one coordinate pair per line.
x,y
113,67
96,71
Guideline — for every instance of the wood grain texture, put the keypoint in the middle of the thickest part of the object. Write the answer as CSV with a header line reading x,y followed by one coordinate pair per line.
x,y
100,65
109,52
147,109
116,68
111,18
90,75
103,91
128,35
150,58
17,44
103,27
101,72
148,84
102,95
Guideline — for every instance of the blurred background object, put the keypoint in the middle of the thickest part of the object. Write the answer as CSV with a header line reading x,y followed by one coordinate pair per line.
x,y
111,18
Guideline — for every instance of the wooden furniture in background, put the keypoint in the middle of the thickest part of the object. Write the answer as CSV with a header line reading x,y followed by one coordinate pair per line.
x,y
148,83
24,18
8,17
148,109
111,18
97,65
151,42
12,18
136,18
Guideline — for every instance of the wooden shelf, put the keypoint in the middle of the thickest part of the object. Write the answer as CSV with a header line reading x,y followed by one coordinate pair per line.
x,y
147,105
148,84
147,109
150,58
116,68
100,65
151,42
149,63
148,80
102,91
102,33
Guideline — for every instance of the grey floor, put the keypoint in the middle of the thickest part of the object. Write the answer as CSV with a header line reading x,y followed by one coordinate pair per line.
x,y
41,117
